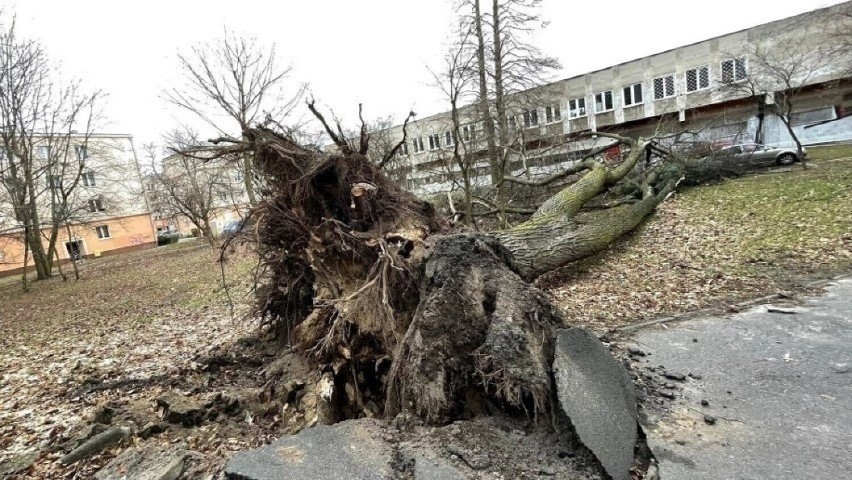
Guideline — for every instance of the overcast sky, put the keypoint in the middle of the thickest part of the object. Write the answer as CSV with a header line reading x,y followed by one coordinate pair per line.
x,y
369,51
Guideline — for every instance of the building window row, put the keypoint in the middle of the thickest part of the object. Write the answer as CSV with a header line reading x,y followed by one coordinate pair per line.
x,y
44,152
696,79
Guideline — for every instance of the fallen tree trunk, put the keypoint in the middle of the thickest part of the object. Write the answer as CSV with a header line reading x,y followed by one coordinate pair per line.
x,y
399,313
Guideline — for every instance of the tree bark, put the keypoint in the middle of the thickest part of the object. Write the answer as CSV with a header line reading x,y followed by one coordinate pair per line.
x,y
484,107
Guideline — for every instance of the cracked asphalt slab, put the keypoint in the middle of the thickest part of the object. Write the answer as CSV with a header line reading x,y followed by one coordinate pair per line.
x,y
776,386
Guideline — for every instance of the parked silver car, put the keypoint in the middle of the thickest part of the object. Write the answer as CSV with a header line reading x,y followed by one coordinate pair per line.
x,y
756,154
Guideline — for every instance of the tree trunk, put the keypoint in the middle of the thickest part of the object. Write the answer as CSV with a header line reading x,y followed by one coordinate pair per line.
x,y
73,259
40,259
484,108
248,176
481,337
463,163
207,231
502,121
785,119
55,253
25,286
552,237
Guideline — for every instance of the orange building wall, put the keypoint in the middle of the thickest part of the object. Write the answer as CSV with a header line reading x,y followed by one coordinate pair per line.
x,y
126,233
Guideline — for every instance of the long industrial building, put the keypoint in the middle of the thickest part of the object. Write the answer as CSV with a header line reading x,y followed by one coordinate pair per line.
x,y
709,88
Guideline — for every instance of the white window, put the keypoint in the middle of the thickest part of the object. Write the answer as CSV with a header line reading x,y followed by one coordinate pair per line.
x,y
96,205
577,108
55,181
632,94
664,87
44,152
552,114
89,179
448,137
530,118
697,78
734,70
103,231
513,122
434,141
418,144
603,101
81,152
403,149
468,133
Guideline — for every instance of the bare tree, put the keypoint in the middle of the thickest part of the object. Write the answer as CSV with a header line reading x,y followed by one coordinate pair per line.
x,y
190,185
506,64
456,81
778,71
231,84
38,164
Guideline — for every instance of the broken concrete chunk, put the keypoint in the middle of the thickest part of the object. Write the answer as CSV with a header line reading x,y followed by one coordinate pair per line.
x,y
788,311
347,449
151,463
596,393
152,428
476,461
675,376
97,443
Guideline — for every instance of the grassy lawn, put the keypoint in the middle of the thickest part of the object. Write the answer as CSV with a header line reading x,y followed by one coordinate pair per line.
x,y
831,152
719,244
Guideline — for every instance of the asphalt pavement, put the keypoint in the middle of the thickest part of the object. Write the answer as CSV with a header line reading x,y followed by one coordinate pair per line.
x,y
777,387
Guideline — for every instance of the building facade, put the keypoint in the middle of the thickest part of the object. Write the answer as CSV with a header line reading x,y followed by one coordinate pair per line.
x,y
214,189
103,211
711,88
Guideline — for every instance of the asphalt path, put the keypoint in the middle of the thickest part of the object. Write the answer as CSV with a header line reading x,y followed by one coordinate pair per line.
x,y
777,387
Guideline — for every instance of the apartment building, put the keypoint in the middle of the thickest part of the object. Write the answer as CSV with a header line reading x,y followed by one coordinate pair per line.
x,y
214,189
104,212
701,87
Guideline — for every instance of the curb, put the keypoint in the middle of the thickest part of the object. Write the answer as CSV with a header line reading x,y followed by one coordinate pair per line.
x,y
715,310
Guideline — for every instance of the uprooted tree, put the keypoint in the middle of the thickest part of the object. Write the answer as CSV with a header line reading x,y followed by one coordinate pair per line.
x,y
400,314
